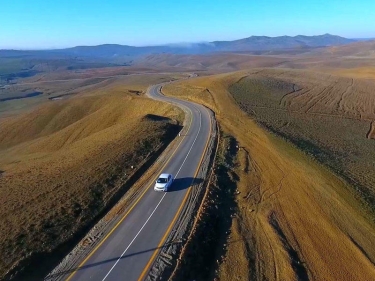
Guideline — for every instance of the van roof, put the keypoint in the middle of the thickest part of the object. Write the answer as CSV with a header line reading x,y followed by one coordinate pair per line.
x,y
164,176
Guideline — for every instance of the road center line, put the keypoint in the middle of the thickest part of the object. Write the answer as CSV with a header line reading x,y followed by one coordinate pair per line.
x,y
200,125
123,253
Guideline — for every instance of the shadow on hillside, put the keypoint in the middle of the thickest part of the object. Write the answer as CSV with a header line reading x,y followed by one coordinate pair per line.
x,y
37,265
154,117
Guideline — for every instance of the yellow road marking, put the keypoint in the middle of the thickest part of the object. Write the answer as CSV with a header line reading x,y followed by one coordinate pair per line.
x,y
162,241
127,213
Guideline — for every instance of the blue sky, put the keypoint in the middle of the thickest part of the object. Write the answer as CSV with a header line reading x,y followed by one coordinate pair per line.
x,y
34,24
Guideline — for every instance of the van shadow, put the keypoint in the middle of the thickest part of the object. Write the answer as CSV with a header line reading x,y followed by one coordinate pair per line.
x,y
184,183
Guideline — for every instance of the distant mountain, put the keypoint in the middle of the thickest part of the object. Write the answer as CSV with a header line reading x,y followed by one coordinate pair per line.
x,y
264,43
254,43
17,63
115,52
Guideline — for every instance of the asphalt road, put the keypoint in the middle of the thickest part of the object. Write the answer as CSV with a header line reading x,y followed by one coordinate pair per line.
x,y
129,251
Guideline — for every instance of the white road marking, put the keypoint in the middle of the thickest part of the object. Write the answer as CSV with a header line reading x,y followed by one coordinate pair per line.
x,y
123,253
200,125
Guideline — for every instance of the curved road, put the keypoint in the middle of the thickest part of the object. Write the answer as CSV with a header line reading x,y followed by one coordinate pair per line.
x,y
133,244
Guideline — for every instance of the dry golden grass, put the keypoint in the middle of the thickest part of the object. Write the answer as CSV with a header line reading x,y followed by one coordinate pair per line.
x,y
295,219
213,62
90,82
327,116
62,162
359,49
371,133
90,73
358,72
351,56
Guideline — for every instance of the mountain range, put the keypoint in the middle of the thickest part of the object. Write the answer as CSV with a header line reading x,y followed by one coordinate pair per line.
x,y
250,44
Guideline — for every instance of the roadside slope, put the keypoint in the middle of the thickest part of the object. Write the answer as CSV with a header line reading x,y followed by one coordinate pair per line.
x,y
63,162
295,220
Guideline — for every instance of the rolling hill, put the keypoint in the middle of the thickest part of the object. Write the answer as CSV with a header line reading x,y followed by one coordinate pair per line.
x,y
63,162
357,49
290,217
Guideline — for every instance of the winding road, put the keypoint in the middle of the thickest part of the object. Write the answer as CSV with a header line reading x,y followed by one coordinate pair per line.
x,y
131,247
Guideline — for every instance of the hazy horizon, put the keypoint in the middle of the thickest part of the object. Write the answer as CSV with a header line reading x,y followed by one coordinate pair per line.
x,y
40,25
175,44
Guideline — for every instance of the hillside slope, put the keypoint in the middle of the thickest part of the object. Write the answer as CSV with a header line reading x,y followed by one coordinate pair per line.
x,y
357,49
63,162
294,220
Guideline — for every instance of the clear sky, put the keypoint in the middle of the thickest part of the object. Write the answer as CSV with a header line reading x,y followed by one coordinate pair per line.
x,y
32,24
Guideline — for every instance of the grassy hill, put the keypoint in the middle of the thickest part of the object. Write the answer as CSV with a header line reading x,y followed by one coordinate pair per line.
x,y
63,162
328,117
291,218
357,49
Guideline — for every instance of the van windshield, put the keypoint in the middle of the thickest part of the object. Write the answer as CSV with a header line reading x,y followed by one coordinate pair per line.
x,y
162,180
